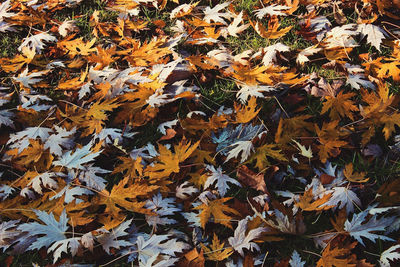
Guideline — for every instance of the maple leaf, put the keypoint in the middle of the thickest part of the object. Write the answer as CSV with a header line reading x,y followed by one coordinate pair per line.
x,y
165,125
271,51
340,106
343,195
354,176
218,210
5,191
110,239
35,154
77,47
212,14
74,84
389,255
87,240
148,53
388,68
234,28
390,121
88,176
36,41
336,256
240,240
158,99
273,10
247,91
185,190
272,32
66,27
45,179
295,260
55,142
194,258
96,116
221,180
291,128
63,245
217,252
69,192
328,136
303,150
29,79
374,34
124,195
6,118
168,162
252,179
357,80
4,8
162,207
75,160
244,114
358,228
264,151
341,36
148,248
282,221
302,57
182,10
243,147
307,202
8,231
228,136
51,230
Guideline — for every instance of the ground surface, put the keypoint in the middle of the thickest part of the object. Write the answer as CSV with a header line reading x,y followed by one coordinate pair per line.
x,y
171,133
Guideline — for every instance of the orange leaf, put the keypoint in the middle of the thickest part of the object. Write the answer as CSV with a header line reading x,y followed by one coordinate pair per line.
x,y
341,106
124,195
218,210
245,113
168,162
272,32
307,203
193,258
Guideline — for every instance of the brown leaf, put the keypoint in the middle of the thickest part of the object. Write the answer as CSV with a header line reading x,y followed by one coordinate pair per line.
x,y
356,177
335,256
252,179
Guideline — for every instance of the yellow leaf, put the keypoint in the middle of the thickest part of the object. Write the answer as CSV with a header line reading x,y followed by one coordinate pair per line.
x,y
217,252
303,151
261,154
245,113
77,47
